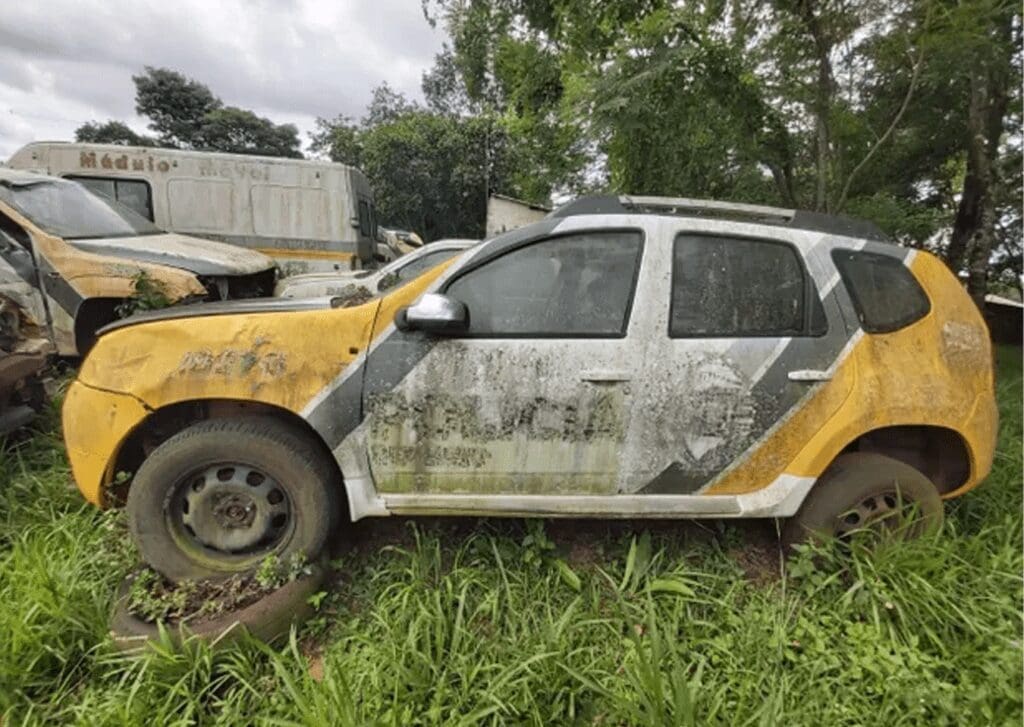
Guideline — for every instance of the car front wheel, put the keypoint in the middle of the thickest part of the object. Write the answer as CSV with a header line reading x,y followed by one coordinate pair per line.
x,y
220,496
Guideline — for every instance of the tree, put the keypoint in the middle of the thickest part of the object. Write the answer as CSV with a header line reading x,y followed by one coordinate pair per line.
x,y
240,131
187,115
898,111
431,172
111,132
176,106
988,41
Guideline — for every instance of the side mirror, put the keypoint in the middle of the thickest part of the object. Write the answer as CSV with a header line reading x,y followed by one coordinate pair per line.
x,y
434,313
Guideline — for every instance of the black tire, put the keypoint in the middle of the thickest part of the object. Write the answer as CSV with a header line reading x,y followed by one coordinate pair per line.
x,y
294,514
856,484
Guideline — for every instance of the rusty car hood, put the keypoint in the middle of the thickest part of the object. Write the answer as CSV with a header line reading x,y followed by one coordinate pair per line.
x,y
199,256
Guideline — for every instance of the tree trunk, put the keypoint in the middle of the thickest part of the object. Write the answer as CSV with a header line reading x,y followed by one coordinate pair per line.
x,y
977,180
974,226
981,253
823,92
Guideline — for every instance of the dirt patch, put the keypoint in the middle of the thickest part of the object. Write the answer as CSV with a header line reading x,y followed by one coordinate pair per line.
x,y
350,296
153,598
759,555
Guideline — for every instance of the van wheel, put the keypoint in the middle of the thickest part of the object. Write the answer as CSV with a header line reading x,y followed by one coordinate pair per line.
x,y
220,496
864,494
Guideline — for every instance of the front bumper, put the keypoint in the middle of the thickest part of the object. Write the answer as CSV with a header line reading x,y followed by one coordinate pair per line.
x,y
96,423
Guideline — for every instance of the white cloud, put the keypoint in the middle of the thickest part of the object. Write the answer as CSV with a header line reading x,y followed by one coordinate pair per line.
x,y
64,62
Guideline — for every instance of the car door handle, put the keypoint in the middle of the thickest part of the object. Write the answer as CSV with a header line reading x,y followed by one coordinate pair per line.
x,y
810,375
599,377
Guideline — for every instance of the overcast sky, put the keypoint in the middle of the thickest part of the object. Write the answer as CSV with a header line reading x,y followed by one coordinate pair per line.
x,y
64,62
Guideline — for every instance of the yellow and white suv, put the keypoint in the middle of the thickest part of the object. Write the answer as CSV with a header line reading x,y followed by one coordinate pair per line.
x,y
626,357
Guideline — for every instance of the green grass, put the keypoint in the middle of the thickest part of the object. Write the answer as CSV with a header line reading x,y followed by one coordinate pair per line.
x,y
498,622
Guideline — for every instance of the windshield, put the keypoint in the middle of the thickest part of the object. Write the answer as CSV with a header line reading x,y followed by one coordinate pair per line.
x,y
68,210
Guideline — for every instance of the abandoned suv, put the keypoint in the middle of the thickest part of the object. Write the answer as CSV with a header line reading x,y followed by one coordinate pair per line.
x,y
626,357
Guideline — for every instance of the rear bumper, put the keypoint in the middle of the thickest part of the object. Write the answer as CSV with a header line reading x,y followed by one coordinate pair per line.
x,y
96,423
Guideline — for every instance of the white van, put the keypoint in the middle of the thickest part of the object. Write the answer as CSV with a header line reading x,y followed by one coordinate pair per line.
x,y
309,216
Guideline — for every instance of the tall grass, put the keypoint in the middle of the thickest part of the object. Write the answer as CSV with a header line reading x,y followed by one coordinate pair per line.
x,y
498,622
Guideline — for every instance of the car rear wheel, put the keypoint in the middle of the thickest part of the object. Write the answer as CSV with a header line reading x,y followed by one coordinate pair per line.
x,y
220,496
865,495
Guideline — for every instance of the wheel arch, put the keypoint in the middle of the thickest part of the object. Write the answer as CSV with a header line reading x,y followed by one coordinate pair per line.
x,y
940,453
91,315
163,423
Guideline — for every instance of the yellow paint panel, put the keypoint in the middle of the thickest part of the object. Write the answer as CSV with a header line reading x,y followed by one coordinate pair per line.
x,y
283,359
95,423
405,295
937,371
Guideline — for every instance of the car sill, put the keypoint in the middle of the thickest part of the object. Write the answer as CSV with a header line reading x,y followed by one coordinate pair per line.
x,y
780,499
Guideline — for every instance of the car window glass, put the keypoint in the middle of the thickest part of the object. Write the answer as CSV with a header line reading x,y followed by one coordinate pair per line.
x,y
424,263
98,185
884,292
134,194
67,209
731,287
577,285
365,226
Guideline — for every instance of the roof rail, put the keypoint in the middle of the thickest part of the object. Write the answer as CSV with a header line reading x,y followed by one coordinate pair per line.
x,y
686,207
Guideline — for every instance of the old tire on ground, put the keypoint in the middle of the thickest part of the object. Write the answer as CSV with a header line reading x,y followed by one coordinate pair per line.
x,y
267,619
863,491
218,497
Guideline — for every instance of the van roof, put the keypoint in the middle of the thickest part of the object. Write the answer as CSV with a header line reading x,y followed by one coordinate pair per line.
x,y
121,148
685,207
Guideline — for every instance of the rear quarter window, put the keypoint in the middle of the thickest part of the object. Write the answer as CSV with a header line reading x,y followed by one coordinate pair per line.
x,y
885,293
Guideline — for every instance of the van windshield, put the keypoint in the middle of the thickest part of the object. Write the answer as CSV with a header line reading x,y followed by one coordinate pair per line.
x,y
68,210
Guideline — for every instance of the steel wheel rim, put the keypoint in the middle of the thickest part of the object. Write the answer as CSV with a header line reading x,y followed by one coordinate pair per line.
x,y
231,511
883,514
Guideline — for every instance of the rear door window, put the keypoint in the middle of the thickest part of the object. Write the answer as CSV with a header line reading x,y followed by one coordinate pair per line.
x,y
885,293
724,287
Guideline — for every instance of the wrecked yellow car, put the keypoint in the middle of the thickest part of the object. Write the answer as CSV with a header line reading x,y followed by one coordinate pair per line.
x,y
625,357
72,261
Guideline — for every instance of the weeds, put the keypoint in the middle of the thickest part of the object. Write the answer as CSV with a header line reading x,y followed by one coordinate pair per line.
x,y
149,294
506,622
153,598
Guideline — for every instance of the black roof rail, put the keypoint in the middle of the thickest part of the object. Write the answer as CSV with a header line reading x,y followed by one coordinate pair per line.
x,y
684,207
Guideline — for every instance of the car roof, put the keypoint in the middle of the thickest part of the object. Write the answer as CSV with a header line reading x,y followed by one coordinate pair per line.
x,y
16,177
686,207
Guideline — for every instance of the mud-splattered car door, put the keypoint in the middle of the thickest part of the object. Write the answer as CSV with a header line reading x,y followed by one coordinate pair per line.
x,y
749,334
536,396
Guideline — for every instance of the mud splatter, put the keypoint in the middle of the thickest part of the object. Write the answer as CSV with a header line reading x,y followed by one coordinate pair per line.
x,y
234,362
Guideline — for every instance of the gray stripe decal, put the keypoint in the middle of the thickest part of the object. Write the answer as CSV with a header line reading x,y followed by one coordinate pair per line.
x,y
337,414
